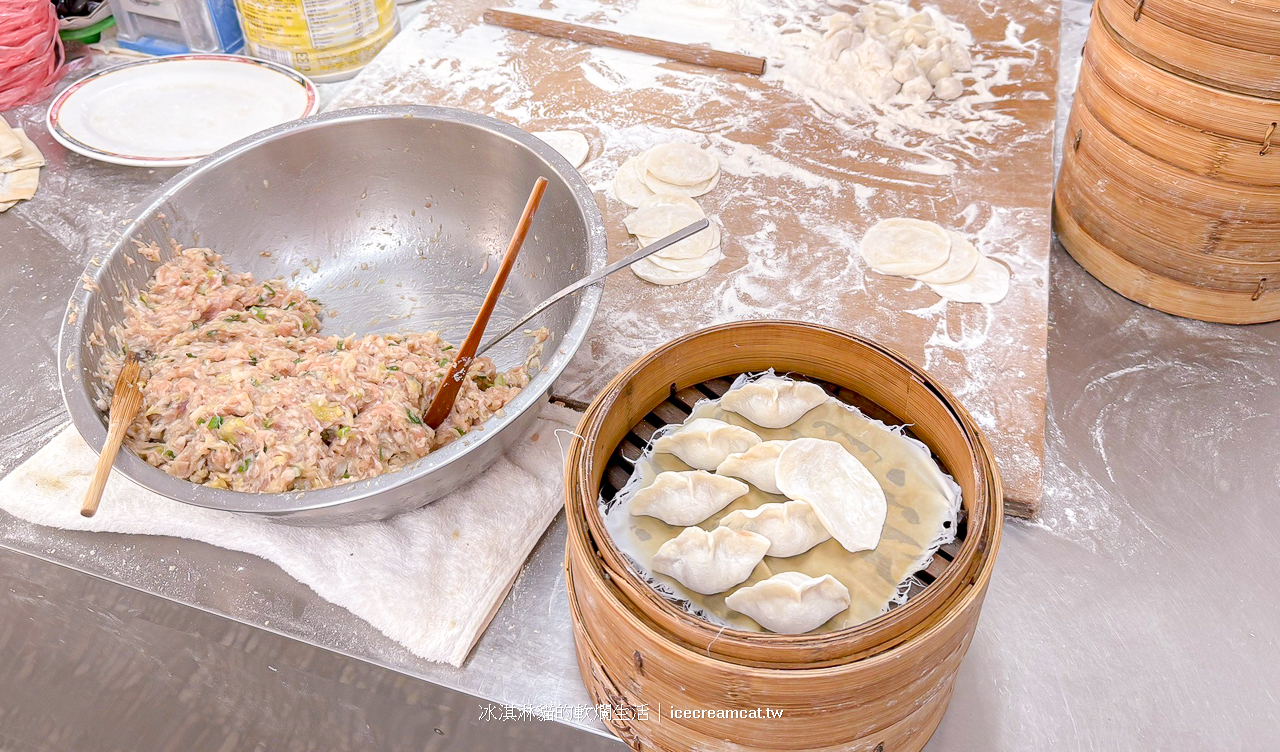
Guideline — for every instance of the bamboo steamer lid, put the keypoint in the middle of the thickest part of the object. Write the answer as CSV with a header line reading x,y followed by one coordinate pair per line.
x,y
886,682
1246,24
1180,100
1250,65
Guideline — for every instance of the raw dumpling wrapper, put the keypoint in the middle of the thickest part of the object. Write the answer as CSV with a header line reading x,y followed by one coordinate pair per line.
x,y
774,402
572,145
842,492
627,186
696,245
710,562
757,466
687,498
987,283
905,246
705,442
792,527
791,602
660,215
964,257
680,164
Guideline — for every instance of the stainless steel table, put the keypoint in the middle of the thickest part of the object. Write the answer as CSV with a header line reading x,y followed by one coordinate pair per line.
x,y
1136,613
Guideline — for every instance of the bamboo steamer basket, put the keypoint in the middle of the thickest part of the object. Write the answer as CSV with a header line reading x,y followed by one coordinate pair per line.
x,y
885,682
1169,190
1194,149
1211,43
1197,229
1159,292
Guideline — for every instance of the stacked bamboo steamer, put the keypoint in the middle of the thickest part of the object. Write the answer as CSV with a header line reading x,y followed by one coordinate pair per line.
x,y
1170,185
882,685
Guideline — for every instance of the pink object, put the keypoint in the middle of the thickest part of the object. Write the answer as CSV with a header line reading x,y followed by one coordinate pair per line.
x,y
32,58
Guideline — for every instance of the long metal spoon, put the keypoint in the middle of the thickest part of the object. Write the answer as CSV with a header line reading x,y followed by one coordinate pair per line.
x,y
595,277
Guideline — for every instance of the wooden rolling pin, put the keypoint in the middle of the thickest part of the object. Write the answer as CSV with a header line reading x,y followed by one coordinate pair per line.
x,y
685,53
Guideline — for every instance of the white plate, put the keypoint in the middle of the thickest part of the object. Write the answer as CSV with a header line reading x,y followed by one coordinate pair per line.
x,y
174,111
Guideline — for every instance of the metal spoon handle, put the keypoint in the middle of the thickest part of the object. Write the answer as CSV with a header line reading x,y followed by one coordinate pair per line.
x,y
595,277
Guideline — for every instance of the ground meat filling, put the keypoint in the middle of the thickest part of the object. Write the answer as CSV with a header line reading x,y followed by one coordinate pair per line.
x,y
243,392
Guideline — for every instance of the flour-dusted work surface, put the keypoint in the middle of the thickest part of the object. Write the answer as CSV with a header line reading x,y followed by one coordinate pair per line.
x,y
809,162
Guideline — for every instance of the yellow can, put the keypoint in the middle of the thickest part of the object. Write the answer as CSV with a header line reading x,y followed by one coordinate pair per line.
x,y
327,40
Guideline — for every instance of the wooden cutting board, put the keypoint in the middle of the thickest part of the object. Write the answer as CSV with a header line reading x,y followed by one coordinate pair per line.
x,y
799,188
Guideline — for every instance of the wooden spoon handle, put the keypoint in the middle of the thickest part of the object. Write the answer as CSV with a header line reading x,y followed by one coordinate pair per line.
x,y
122,412
442,403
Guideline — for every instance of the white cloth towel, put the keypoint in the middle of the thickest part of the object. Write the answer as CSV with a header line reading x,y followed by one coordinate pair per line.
x,y
430,579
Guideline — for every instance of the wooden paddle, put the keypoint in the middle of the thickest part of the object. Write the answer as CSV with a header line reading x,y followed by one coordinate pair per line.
x,y
442,403
125,402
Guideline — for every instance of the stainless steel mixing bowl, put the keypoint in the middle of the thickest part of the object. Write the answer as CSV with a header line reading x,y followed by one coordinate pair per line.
x,y
395,218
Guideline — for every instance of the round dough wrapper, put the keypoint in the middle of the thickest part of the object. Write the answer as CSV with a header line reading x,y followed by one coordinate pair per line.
x,y
692,191
660,215
843,493
697,263
572,145
698,244
987,283
680,164
627,186
964,257
905,246
650,272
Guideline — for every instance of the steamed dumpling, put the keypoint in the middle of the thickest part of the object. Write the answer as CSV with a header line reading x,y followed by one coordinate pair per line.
x,y
791,602
791,527
686,498
756,466
710,562
772,401
843,493
705,442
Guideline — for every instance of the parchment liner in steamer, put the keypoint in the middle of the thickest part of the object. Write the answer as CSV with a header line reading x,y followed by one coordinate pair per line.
x,y
923,507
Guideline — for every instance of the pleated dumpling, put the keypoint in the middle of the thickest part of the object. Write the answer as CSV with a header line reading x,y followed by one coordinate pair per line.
x,y
704,443
791,527
686,498
791,602
772,401
710,562
757,466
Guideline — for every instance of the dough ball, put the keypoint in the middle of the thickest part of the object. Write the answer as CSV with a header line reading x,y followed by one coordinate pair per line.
x,y
928,59
917,90
837,21
680,164
905,246
958,57
940,71
948,88
836,43
873,56
572,145
987,283
905,69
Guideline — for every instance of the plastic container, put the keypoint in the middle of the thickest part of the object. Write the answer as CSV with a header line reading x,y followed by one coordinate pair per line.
x,y
327,40
177,27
